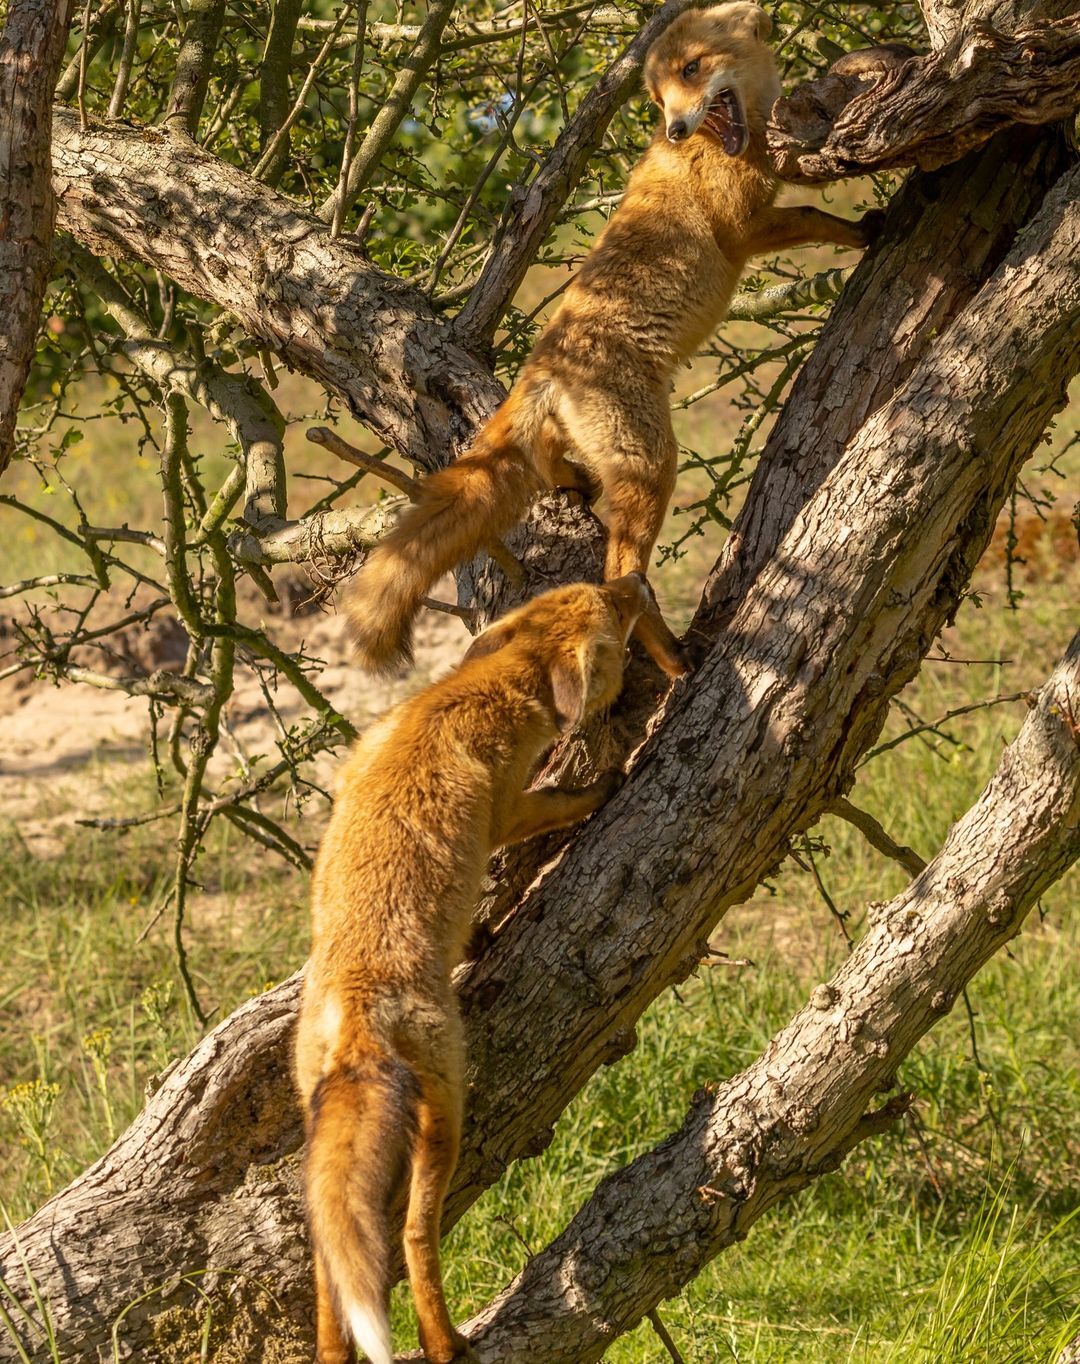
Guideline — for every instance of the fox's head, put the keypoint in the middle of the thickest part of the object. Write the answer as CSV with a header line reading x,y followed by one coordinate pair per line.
x,y
578,634
709,69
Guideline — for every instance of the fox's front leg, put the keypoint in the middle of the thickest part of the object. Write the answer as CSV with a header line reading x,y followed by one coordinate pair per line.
x,y
777,229
554,807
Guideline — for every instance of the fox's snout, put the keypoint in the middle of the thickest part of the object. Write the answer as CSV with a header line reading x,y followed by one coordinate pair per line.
x,y
632,596
677,129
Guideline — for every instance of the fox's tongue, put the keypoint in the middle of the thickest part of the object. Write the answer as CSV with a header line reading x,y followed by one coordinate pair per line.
x,y
725,118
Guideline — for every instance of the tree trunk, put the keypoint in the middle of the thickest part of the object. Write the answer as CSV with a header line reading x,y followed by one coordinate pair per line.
x,y
750,750
797,1111
30,52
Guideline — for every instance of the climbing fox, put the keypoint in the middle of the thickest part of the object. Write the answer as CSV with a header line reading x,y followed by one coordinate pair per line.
x,y
426,795
590,407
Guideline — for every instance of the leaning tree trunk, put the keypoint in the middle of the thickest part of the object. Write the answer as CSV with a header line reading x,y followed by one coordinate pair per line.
x,y
847,587
795,1113
30,51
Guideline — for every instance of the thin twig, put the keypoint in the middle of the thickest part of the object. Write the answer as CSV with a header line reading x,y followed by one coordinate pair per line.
x,y
662,1331
330,440
469,614
350,131
934,725
876,836
127,58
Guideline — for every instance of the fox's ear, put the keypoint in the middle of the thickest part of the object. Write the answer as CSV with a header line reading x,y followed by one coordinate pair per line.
x,y
743,15
570,678
493,638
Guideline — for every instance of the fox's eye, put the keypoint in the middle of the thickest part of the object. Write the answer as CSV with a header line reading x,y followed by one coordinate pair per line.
x,y
690,69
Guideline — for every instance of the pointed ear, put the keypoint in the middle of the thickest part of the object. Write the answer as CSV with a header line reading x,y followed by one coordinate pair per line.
x,y
570,688
741,14
494,637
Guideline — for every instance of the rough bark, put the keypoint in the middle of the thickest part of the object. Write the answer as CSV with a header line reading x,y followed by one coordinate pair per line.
x,y
750,751
796,1112
928,111
31,48
141,194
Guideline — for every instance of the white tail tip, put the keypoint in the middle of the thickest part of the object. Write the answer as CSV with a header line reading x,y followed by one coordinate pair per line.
x,y
371,1332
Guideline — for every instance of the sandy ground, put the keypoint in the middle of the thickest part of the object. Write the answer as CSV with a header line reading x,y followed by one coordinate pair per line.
x,y
68,750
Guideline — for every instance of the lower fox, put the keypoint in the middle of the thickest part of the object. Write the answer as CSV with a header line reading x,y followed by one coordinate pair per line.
x,y
425,796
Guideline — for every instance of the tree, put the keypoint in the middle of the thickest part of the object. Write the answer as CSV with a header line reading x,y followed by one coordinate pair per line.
x,y
30,52
871,501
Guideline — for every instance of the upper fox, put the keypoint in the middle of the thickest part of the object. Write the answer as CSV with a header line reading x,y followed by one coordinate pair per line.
x,y
590,406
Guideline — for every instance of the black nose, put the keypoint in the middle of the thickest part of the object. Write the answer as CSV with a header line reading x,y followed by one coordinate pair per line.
x,y
677,130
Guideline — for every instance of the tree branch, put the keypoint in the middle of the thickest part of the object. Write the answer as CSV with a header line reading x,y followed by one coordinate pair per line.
x,y
928,111
274,81
138,194
193,61
876,836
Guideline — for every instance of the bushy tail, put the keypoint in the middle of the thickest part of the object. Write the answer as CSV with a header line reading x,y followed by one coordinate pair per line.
x,y
357,1160
462,507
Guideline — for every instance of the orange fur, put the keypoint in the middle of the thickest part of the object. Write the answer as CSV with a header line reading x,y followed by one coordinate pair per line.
x,y
424,797
590,407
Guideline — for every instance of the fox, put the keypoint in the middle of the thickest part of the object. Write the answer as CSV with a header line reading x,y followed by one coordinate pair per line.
x,y
590,408
424,798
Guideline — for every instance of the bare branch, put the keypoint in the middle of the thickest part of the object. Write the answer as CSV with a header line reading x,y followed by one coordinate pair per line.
x,y
876,836
783,298
313,299
48,580
162,684
193,61
274,81
386,473
127,58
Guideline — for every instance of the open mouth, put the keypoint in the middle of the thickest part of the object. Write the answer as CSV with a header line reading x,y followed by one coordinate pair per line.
x,y
727,122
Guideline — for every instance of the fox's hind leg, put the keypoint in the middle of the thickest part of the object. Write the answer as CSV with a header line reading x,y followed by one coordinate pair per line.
x,y
636,500
435,1155
331,1344
622,433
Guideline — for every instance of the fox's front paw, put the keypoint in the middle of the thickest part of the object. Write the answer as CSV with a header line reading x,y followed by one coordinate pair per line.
x,y
870,225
